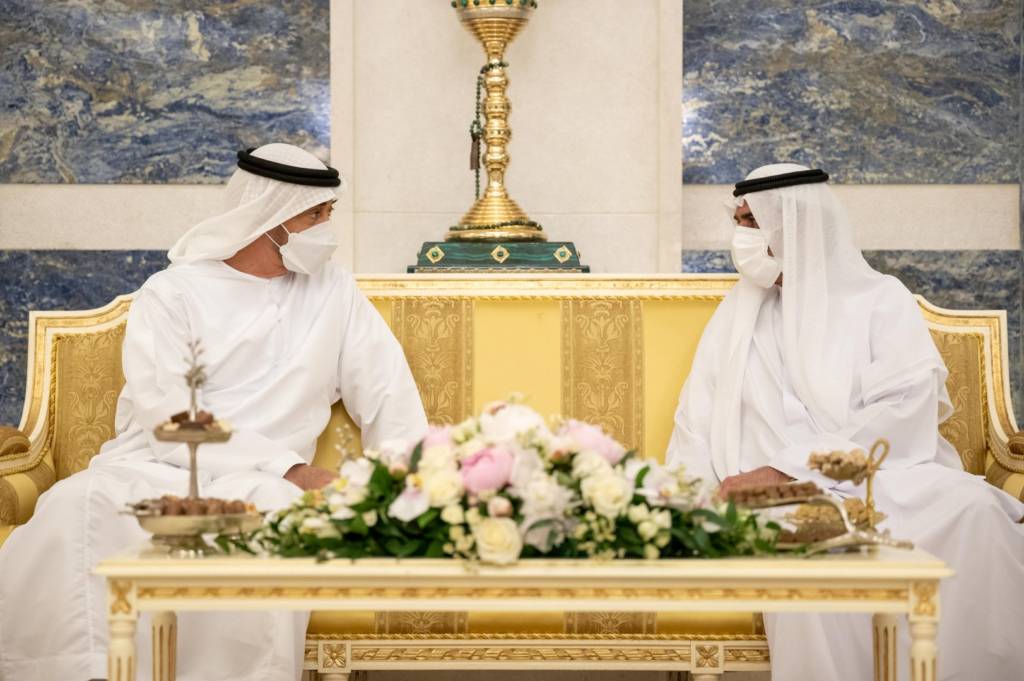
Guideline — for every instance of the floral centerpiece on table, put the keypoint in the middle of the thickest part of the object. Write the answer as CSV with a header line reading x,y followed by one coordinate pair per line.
x,y
504,486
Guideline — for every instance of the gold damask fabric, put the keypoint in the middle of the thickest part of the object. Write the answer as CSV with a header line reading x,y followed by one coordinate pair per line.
x,y
437,335
602,365
87,381
967,428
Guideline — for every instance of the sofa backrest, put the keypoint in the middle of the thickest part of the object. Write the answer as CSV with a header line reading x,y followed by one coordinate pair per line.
x,y
610,350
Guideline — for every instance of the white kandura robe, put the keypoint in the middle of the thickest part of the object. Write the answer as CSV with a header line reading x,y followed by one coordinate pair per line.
x,y
278,353
929,499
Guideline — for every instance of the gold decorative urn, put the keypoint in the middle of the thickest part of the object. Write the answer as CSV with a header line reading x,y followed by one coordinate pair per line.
x,y
495,217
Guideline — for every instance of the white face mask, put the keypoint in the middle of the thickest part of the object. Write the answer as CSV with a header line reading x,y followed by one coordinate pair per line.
x,y
307,252
750,256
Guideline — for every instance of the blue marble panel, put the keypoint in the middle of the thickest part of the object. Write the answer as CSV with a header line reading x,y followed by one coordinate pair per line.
x,y
56,280
916,91
98,91
962,280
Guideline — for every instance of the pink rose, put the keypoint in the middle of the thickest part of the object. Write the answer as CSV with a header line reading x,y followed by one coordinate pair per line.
x,y
591,438
438,436
487,470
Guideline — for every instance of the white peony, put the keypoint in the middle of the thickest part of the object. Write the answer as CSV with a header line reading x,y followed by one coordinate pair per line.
x,y
497,540
505,423
443,487
586,464
543,496
608,493
525,465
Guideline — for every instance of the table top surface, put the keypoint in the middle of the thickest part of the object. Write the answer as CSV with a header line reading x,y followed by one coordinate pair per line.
x,y
879,564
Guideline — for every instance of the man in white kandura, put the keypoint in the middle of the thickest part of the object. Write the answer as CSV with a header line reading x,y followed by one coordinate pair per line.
x,y
285,333
813,350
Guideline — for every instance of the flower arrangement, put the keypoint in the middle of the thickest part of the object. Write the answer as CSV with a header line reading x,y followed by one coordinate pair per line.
x,y
505,486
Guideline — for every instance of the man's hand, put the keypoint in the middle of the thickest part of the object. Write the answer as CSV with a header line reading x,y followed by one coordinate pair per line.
x,y
765,475
308,477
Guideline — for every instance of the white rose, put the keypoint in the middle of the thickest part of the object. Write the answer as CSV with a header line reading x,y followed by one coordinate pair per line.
x,y
638,513
473,516
498,540
443,488
499,507
662,540
651,552
439,458
663,519
647,530
586,464
609,494
453,514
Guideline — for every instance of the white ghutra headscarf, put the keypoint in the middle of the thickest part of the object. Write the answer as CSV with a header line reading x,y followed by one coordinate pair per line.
x,y
254,205
826,304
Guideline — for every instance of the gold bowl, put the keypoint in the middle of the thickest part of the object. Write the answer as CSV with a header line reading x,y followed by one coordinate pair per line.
x,y
182,535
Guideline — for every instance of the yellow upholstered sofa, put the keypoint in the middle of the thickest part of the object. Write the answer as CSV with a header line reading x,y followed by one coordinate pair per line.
x,y
612,350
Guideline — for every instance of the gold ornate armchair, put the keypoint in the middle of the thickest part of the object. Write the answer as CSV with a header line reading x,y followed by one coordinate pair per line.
x,y
613,350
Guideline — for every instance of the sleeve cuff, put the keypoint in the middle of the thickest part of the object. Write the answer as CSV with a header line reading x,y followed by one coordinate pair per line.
x,y
281,464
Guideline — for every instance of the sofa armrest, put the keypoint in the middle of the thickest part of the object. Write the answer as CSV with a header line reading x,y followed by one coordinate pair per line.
x,y
22,482
12,441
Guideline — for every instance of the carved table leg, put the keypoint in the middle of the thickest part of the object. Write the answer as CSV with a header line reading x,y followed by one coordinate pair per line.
x,y
924,625
165,645
121,619
884,635
121,657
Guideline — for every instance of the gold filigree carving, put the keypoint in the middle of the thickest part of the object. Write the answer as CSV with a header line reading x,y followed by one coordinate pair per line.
x,y
610,622
120,596
333,655
471,636
924,599
967,428
437,335
602,365
311,652
421,622
405,653
88,379
747,655
500,593
707,656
